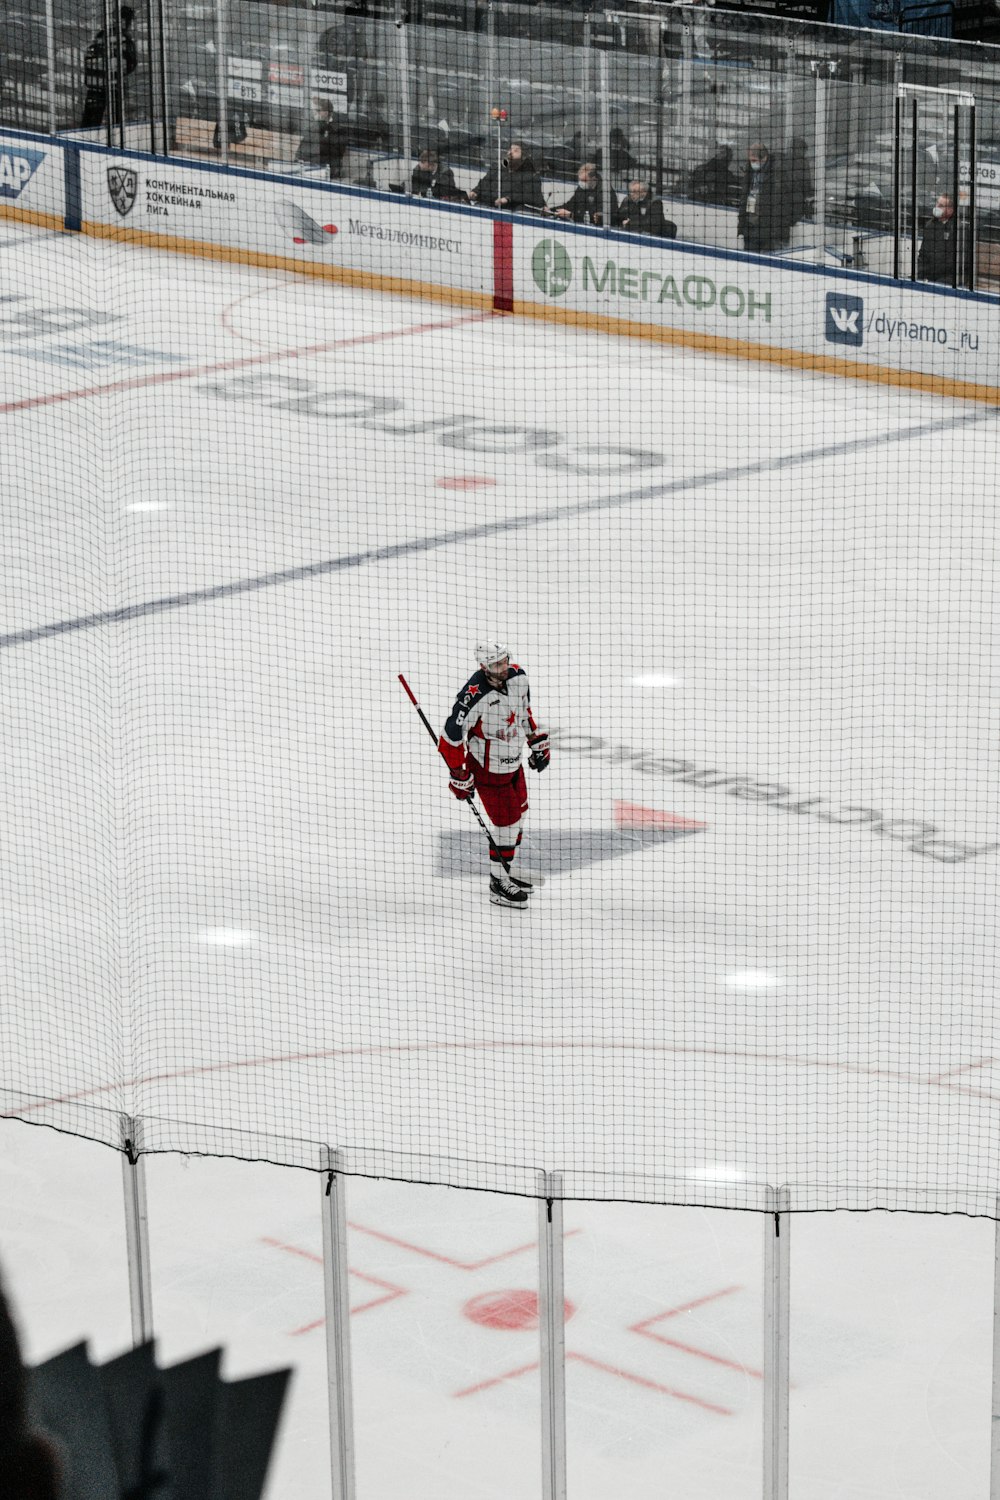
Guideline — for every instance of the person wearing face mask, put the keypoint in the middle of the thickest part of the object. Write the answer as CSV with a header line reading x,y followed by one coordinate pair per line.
x,y
936,261
517,186
586,204
641,213
764,221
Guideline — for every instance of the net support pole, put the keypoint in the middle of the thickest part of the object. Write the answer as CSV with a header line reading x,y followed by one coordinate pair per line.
x,y
897,190
220,80
687,104
140,1284
606,214
995,1433
586,92
777,1263
819,176
552,1329
657,34
119,95
956,191
158,58
914,138
109,107
973,173
493,93
50,67
403,66
338,1324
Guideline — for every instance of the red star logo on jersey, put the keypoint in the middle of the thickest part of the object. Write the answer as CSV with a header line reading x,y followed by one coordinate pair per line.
x,y
473,690
512,719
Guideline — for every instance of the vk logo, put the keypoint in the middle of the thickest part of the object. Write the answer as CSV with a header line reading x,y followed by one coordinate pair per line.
x,y
845,319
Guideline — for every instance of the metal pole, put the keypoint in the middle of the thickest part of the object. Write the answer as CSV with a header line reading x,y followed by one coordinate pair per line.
x,y
820,174
338,1324
897,189
995,1434
913,188
552,1326
606,213
169,101
586,93
776,1333
687,89
956,202
220,79
152,78
973,174
136,1230
108,92
120,79
492,68
660,70
50,64
158,50
403,54
786,76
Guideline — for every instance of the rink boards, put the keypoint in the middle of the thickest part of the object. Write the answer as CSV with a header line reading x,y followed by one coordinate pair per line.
x,y
782,312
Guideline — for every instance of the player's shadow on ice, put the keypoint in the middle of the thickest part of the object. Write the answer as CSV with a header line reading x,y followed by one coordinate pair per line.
x,y
553,851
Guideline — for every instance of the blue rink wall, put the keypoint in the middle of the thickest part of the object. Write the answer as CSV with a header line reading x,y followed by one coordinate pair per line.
x,y
827,321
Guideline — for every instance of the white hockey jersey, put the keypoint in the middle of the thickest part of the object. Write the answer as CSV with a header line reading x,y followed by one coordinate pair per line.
x,y
489,723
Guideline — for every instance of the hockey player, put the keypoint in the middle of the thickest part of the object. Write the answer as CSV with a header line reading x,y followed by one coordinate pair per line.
x,y
482,742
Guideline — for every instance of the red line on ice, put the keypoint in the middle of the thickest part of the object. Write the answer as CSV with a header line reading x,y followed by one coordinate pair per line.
x,y
596,1364
389,1288
166,377
448,1260
657,1049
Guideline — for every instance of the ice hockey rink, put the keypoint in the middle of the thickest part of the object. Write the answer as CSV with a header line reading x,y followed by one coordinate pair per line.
x,y
756,608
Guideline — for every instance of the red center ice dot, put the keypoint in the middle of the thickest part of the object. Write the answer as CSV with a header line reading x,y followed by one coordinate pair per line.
x,y
511,1309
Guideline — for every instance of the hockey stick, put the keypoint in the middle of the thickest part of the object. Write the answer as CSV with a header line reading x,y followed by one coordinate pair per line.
x,y
427,725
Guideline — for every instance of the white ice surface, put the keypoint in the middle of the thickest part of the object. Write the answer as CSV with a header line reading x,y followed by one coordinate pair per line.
x,y
890,1350
223,912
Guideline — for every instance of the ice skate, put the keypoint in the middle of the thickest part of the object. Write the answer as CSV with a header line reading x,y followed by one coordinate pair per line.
x,y
505,891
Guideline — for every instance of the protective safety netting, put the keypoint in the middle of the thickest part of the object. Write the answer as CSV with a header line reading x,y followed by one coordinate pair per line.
x,y
633,349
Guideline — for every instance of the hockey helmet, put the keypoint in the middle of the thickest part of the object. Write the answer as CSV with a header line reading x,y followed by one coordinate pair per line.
x,y
489,652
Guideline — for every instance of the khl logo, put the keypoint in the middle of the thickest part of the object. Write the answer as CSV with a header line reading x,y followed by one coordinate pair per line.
x,y
551,267
845,319
17,168
123,184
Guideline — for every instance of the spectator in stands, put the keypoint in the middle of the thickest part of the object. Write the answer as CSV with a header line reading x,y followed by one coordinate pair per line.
x,y
517,186
324,141
432,180
586,204
641,213
715,180
115,51
937,259
766,214
29,1469
620,158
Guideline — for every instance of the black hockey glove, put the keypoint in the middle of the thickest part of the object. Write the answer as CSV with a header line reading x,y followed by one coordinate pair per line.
x,y
541,752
